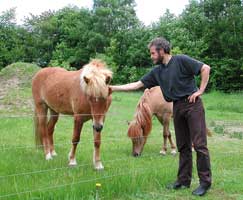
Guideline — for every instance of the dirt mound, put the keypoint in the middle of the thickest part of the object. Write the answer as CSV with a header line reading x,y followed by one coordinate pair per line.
x,y
15,81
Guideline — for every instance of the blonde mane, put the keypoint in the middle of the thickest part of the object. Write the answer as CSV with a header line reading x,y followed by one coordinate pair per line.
x,y
94,77
142,118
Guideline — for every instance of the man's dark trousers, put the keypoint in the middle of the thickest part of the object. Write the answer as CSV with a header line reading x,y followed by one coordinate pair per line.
x,y
190,126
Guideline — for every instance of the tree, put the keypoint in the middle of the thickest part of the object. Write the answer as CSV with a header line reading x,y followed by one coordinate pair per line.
x,y
110,17
10,44
225,41
75,31
225,27
44,29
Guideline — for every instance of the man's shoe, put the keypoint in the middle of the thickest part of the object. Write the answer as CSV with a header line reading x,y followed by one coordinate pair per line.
x,y
201,190
177,185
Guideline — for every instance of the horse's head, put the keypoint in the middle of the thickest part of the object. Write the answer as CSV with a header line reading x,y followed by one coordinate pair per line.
x,y
95,79
135,133
139,129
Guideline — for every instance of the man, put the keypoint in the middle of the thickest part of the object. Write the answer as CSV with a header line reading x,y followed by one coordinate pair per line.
x,y
175,76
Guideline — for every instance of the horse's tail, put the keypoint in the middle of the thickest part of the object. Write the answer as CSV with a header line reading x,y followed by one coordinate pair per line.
x,y
38,139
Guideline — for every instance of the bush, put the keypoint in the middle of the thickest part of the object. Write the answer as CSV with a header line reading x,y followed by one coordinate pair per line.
x,y
129,74
226,74
63,64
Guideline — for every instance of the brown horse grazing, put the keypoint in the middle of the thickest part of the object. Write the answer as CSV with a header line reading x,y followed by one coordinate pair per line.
x,y
151,103
85,94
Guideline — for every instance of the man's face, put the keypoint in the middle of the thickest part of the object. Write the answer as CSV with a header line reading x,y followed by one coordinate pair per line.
x,y
156,56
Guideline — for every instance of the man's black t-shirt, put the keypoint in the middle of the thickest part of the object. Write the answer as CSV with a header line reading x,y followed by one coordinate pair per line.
x,y
176,79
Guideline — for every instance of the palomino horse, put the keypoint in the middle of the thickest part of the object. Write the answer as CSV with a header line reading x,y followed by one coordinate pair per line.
x,y
85,94
151,103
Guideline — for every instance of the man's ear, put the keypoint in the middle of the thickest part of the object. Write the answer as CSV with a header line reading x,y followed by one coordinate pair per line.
x,y
161,51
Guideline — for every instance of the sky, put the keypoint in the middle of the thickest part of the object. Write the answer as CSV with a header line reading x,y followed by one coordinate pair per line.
x,y
147,10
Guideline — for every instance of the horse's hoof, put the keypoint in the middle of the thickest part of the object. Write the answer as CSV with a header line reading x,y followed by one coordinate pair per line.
x,y
173,152
53,153
98,166
48,156
72,163
162,152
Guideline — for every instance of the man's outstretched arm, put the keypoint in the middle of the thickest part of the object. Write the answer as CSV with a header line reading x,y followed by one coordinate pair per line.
x,y
127,87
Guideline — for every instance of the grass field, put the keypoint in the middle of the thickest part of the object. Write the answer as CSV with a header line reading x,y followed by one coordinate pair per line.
x,y
24,174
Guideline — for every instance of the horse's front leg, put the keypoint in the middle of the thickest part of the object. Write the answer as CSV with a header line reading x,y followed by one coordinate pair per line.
x,y
78,124
96,155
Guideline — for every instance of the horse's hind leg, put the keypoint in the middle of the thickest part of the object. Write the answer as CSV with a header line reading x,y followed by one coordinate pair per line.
x,y
51,126
168,134
164,146
172,145
161,119
41,111
78,124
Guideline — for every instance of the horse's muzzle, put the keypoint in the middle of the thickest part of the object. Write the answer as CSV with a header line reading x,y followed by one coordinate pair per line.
x,y
135,154
98,127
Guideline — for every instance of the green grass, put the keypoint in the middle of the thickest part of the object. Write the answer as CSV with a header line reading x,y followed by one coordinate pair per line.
x,y
224,106
24,174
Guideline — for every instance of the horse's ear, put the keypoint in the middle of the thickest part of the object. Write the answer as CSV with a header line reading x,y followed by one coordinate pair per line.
x,y
86,80
109,91
108,80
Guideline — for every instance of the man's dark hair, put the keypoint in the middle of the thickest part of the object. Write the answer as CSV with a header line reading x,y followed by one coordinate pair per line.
x,y
160,43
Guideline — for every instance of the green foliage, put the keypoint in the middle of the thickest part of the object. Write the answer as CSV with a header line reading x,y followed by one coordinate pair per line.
x,y
226,74
11,47
64,64
225,22
44,31
74,36
109,61
112,16
130,48
129,74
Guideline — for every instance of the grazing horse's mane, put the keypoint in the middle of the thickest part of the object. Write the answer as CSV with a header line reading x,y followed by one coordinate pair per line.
x,y
142,118
94,79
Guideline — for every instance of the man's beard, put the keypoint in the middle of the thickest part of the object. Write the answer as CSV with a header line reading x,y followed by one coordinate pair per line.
x,y
159,60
